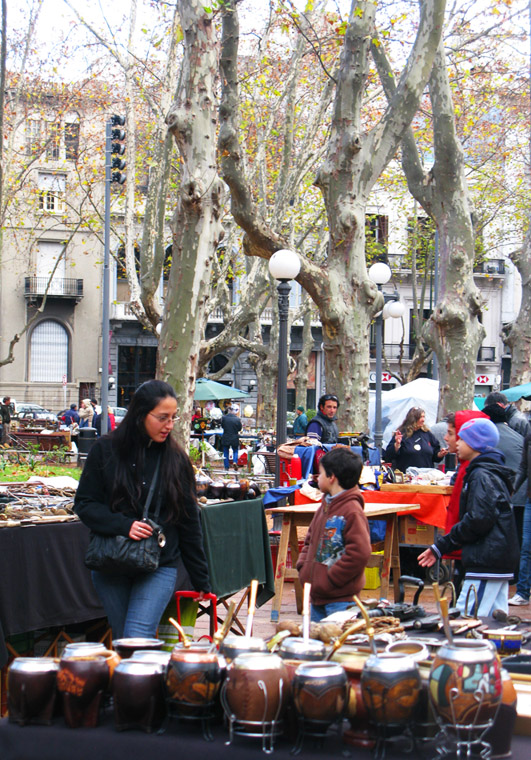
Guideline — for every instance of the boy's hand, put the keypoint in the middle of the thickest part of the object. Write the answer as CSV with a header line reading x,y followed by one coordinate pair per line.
x,y
427,558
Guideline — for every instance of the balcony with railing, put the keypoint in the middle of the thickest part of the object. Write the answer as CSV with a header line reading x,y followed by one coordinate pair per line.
x,y
57,287
490,267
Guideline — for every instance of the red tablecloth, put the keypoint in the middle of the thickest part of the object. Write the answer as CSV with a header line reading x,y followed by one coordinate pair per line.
x,y
432,506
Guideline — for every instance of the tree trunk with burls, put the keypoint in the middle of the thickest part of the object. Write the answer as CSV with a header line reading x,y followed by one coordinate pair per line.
x,y
454,331
518,334
196,223
346,298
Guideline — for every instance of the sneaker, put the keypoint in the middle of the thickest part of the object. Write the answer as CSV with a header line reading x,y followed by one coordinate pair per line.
x,y
518,600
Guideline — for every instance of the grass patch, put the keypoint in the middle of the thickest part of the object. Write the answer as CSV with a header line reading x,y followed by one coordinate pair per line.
x,y
18,473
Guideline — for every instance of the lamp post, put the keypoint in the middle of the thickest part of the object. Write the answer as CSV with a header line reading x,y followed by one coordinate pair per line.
x,y
284,265
380,274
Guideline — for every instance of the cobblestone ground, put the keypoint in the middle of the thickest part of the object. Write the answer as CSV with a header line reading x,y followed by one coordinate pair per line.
x,y
263,626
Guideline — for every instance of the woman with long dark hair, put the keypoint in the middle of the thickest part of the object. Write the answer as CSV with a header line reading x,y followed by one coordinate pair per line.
x,y
110,500
413,444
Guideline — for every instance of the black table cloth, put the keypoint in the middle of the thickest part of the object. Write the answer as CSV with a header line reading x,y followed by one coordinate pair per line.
x,y
180,740
46,584
44,580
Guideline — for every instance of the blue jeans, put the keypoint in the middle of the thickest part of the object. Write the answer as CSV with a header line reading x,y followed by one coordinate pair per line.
x,y
524,573
320,611
134,606
226,457
492,595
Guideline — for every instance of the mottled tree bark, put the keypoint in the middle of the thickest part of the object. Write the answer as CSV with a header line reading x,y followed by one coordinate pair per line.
x,y
518,334
341,289
196,223
454,331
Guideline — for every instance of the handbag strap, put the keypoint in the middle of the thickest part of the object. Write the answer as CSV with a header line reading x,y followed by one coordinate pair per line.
x,y
151,492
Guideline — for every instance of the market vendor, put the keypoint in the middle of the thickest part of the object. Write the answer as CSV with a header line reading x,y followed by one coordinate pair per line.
x,y
413,444
323,426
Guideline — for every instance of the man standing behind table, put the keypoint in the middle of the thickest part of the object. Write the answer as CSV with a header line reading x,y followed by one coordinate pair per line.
x,y
231,425
323,427
5,418
511,415
301,422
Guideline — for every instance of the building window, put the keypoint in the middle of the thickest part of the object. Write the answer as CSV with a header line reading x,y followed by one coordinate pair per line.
x,y
53,141
34,142
48,352
72,141
376,236
52,192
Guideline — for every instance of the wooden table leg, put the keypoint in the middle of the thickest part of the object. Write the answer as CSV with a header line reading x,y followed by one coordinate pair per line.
x,y
395,558
281,567
388,548
294,547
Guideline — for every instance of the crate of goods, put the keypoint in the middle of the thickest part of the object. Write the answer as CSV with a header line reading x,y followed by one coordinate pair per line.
x,y
414,532
372,574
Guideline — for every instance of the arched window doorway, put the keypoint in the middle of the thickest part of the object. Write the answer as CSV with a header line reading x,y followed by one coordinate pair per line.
x,y
48,352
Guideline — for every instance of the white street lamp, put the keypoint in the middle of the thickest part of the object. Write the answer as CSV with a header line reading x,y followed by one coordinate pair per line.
x,y
380,273
284,265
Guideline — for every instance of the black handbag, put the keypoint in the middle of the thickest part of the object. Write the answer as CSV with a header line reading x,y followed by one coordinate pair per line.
x,y
124,555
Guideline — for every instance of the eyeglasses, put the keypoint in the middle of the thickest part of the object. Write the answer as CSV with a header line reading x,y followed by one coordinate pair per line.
x,y
330,397
164,418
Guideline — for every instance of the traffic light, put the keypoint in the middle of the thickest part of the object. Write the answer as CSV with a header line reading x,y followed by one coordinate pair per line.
x,y
118,148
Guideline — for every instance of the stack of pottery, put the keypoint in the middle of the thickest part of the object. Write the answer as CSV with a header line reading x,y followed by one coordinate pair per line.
x,y
233,646
465,686
126,647
193,679
138,692
255,695
390,687
31,690
216,489
202,484
82,680
320,694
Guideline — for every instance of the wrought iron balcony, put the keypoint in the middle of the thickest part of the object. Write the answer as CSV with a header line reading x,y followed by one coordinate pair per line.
x,y
58,287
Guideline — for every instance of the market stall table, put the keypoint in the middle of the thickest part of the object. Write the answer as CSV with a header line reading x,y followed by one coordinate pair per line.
x,y
44,581
433,500
301,516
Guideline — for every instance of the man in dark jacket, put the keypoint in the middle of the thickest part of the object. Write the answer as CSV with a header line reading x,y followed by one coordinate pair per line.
x,y
71,415
512,416
323,427
511,444
486,531
231,425
523,478
5,418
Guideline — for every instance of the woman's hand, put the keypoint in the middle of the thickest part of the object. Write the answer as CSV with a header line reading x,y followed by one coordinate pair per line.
x,y
139,530
427,558
442,453
398,439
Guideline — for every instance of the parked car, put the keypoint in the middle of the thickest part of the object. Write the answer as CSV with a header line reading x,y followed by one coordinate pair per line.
x,y
34,411
119,413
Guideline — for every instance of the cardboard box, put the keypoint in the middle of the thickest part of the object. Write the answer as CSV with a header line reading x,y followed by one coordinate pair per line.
x,y
372,575
411,531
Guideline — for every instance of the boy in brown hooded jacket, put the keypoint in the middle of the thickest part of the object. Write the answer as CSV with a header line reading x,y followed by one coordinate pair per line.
x,y
338,544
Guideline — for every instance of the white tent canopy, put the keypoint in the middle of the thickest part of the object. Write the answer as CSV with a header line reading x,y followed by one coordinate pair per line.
x,y
396,403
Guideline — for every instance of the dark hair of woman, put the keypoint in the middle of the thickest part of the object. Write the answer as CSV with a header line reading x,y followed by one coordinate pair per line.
x,y
131,441
408,426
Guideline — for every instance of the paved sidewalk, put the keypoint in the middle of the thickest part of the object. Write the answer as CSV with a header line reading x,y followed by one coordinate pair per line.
x,y
264,628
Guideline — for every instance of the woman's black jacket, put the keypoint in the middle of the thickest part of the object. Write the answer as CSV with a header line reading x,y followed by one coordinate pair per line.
x,y
486,530
93,500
